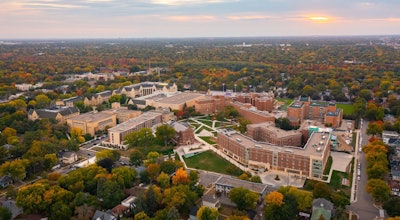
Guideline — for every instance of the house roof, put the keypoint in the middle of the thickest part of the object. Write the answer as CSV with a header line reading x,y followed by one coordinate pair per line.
x,y
12,206
236,183
99,215
119,209
69,154
210,198
321,202
179,126
317,213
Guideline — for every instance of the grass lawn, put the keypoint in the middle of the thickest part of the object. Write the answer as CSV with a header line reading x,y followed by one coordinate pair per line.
x,y
336,180
212,162
347,108
206,122
208,140
286,101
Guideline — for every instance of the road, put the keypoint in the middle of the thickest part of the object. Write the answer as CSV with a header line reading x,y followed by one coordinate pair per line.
x,y
364,202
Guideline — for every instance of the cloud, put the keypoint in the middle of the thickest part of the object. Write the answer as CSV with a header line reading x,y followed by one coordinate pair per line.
x,y
52,5
187,2
196,18
248,17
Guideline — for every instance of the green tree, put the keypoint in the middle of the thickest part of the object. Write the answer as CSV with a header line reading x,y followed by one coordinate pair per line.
x,y
206,213
168,166
111,194
179,196
141,216
60,210
243,125
152,157
136,157
164,133
391,206
127,174
322,190
15,169
377,171
42,101
142,138
243,198
374,129
5,213
164,180
111,154
115,98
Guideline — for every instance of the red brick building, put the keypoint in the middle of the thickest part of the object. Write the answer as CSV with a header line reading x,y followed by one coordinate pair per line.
x,y
267,132
184,134
302,109
309,161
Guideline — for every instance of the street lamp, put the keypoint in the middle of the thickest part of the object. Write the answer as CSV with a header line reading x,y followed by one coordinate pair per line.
x,y
235,87
223,87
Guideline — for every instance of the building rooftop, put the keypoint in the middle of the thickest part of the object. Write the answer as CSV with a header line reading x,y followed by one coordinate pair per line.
x,y
236,183
296,104
279,133
133,122
52,112
315,146
121,110
91,116
180,98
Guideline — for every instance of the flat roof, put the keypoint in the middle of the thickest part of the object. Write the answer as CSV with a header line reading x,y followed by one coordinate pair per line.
x,y
133,122
236,183
276,131
180,98
296,104
315,145
121,111
91,116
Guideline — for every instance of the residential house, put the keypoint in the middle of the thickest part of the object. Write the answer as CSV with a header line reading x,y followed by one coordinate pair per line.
x,y
69,157
5,181
394,187
12,206
100,215
224,184
211,201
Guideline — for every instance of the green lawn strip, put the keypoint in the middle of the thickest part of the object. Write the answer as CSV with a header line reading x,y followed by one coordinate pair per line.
x,y
206,122
348,109
286,101
210,161
336,179
208,140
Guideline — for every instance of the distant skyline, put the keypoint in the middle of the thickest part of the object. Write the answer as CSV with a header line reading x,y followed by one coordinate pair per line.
x,y
30,19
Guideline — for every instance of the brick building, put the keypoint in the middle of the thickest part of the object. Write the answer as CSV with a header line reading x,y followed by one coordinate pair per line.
x,y
92,122
303,108
184,134
61,113
117,133
267,132
309,161
250,113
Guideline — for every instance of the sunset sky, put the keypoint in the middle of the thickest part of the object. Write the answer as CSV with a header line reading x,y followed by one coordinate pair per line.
x,y
26,19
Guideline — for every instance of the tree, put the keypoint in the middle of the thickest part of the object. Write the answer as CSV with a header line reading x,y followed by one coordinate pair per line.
x,y
127,174
287,211
168,166
142,138
111,193
76,135
106,163
179,196
111,154
243,125
164,133
374,128
194,176
244,198
244,176
152,157
206,213
42,101
377,171
321,190
256,179
378,189
5,213
391,206
153,199
180,177
153,171
303,198
141,216
237,217
60,210
136,157
164,180
15,169
274,198
8,132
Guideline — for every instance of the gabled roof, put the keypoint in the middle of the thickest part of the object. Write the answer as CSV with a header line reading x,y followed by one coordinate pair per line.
x,y
179,126
99,215
321,202
317,213
52,113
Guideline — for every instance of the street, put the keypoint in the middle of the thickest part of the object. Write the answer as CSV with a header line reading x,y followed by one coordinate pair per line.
x,y
363,205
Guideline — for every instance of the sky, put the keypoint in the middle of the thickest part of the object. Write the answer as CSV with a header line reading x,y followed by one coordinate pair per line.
x,y
45,19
